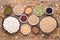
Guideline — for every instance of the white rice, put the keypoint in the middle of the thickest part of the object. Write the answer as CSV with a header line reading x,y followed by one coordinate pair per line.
x,y
11,24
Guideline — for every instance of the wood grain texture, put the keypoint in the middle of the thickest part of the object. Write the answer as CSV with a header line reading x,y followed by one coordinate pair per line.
x,y
55,35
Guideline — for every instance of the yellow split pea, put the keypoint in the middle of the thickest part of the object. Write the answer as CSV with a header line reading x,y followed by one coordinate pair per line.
x,y
25,29
28,10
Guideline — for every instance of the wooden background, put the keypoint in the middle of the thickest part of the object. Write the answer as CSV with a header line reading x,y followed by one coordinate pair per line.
x,y
55,35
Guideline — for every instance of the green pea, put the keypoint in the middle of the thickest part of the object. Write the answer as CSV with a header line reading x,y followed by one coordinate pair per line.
x,y
39,10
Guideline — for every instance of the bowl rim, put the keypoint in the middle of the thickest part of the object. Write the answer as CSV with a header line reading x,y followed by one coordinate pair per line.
x,y
52,10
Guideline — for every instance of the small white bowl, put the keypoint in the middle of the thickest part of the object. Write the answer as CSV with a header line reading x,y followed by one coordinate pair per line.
x,y
21,17
50,13
18,10
34,20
